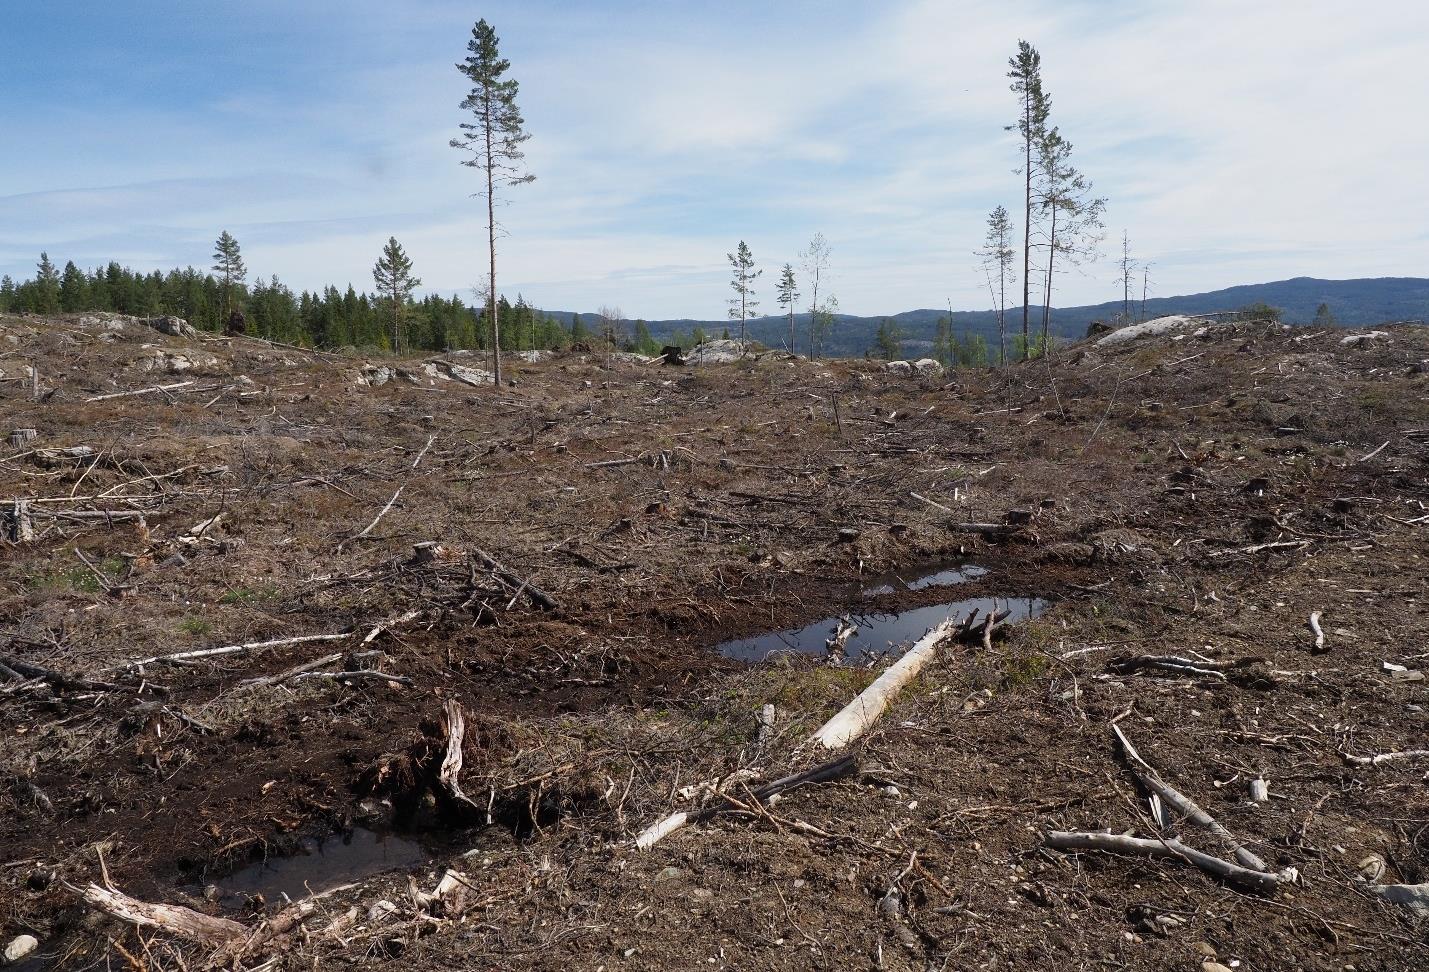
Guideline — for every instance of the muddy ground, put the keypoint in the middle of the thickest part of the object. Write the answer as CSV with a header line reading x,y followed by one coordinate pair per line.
x,y
1190,495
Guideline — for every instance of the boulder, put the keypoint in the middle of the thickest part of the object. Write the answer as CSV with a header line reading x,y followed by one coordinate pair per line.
x,y
535,357
1368,337
475,377
898,367
1173,324
176,326
723,351
927,366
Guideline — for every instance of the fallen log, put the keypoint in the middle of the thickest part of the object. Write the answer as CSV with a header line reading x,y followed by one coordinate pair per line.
x,y
142,391
851,722
185,657
175,919
854,719
1257,880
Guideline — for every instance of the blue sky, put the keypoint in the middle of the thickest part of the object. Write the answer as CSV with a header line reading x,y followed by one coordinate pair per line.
x,y
1235,142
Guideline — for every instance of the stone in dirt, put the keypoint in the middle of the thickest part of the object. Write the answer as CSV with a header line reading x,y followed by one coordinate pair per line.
x,y
19,947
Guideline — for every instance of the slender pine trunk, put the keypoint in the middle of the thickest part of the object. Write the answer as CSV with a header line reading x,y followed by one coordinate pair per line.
x,y
1047,293
491,245
1027,225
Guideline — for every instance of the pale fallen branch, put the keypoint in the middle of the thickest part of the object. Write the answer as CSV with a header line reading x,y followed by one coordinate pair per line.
x,y
375,520
1257,880
1318,632
1184,804
184,657
142,391
175,919
1385,757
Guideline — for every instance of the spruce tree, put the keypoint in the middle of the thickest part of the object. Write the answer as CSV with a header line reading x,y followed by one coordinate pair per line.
x,y
393,276
1035,107
228,263
1324,317
493,140
7,294
743,304
787,294
47,287
74,289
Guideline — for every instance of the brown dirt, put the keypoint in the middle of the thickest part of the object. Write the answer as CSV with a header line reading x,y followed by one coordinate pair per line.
x,y
1149,469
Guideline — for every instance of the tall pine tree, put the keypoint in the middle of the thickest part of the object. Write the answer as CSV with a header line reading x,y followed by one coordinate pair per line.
x,y
228,262
493,140
1035,107
47,287
743,304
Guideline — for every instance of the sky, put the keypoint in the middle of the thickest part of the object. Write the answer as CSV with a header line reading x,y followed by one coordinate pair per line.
x,y
1235,142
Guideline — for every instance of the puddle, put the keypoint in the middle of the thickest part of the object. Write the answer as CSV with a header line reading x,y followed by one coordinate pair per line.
x,y
322,864
877,633
915,580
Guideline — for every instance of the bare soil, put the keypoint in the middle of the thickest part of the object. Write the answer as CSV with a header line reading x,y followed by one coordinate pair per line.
x,y
1190,496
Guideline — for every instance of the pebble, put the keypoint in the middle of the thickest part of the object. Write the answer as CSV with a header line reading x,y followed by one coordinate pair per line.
x,y
381,911
19,947
1210,966
1204,950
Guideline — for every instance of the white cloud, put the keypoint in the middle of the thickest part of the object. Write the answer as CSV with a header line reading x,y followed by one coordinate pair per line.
x,y
1236,142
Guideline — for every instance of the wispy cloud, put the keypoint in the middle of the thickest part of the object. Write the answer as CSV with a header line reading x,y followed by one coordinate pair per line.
x,y
1236,142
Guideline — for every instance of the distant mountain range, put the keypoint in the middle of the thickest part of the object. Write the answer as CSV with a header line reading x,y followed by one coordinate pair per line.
x,y
1353,303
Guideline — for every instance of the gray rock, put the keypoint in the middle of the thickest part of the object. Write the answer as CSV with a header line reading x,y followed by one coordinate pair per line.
x,y
898,367
723,351
927,366
1415,897
176,326
19,947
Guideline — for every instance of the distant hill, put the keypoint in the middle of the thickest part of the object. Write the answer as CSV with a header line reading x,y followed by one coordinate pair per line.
x,y
1354,303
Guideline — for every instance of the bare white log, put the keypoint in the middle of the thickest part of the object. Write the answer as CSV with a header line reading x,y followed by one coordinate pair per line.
x,y
182,657
19,438
661,829
1257,880
175,919
142,391
854,719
